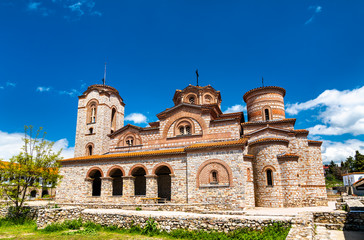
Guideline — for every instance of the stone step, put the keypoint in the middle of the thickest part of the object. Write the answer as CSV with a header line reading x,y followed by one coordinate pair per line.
x,y
330,226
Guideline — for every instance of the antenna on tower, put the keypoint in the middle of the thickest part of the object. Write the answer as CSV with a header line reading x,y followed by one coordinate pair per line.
x,y
197,76
262,82
104,79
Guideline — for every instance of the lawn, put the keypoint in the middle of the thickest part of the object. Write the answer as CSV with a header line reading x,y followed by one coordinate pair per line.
x,y
80,230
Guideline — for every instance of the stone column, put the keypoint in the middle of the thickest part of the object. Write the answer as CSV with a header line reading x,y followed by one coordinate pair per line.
x,y
175,195
106,186
152,186
128,186
88,190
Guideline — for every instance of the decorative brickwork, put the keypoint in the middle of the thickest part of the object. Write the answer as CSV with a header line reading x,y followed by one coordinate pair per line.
x,y
194,154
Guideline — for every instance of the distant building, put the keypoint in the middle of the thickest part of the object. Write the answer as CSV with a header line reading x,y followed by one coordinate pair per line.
x,y
193,154
354,183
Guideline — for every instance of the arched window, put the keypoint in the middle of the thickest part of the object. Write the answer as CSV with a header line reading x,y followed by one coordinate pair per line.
x,y
192,100
91,131
184,128
93,113
113,120
208,99
214,179
269,174
129,141
266,113
89,149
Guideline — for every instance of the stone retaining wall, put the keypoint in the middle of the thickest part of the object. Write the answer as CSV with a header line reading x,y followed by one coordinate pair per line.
x,y
197,208
170,222
340,220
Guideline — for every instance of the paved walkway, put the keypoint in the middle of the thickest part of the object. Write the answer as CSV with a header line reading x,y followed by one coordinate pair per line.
x,y
260,211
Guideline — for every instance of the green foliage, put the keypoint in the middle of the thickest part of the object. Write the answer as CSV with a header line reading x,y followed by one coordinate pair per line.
x,y
150,228
5,222
138,209
68,224
34,165
353,164
275,231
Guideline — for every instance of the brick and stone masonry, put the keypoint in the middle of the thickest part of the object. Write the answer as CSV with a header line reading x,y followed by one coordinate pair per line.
x,y
194,154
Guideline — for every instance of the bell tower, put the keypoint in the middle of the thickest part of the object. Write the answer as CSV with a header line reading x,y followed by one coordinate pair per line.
x,y
100,112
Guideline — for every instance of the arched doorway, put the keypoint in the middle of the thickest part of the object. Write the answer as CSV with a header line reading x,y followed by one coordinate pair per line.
x,y
45,192
96,182
164,182
33,193
117,182
139,181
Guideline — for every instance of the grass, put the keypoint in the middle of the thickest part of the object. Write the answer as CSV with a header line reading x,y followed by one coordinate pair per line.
x,y
76,229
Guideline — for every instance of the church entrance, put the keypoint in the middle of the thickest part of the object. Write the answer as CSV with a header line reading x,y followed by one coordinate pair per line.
x,y
96,183
139,181
164,183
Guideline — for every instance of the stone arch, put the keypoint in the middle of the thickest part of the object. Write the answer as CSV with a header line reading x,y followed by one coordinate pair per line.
x,y
137,166
33,193
215,161
181,121
116,173
113,168
92,170
269,166
123,138
162,164
139,172
208,98
195,117
188,96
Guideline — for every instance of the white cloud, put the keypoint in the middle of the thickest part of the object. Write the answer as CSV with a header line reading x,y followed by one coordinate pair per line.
x,y
1,87
33,5
235,108
43,89
340,151
316,10
11,144
136,118
10,84
72,92
76,7
340,112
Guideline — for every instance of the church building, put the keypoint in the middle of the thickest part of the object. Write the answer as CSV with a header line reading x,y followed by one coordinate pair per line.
x,y
194,154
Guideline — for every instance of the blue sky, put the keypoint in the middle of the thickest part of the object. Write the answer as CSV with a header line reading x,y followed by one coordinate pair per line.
x,y
51,50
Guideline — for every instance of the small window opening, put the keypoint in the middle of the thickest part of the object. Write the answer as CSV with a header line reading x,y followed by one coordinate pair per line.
x,y
266,112
269,178
91,131
129,141
188,130
89,150
113,120
192,100
214,179
182,130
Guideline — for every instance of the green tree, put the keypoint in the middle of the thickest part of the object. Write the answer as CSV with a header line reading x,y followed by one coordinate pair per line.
x,y
358,164
37,163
